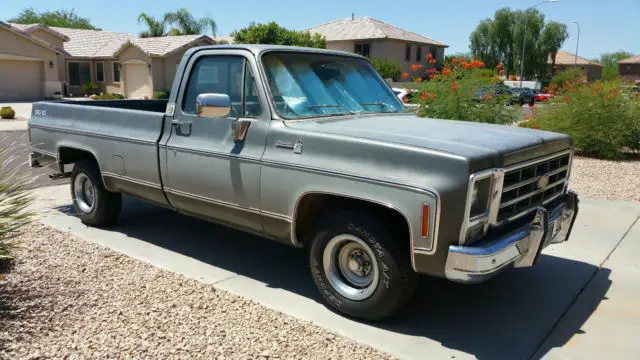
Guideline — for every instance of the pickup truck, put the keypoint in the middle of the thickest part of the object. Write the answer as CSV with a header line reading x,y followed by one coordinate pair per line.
x,y
311,148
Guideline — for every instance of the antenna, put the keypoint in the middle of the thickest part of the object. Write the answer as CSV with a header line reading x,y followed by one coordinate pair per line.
x,y
353,16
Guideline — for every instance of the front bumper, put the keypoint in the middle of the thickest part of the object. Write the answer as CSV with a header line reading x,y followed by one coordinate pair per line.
x,y
519,248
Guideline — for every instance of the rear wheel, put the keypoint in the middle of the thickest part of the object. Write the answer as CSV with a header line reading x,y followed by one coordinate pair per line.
x,y
93,203
360,268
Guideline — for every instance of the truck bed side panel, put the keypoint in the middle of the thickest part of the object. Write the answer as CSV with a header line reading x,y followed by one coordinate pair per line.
x,y
124,142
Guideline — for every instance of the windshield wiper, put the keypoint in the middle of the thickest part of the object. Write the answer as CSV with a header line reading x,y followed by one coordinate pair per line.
x,y
319,106
382,105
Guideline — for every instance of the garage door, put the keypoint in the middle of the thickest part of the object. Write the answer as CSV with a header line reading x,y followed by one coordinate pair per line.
x,y
20,80
137,81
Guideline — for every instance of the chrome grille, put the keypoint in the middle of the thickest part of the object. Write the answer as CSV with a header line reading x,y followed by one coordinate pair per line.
x,y
533,184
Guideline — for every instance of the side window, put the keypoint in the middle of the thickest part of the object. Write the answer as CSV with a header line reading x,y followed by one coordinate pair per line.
x,y
222,75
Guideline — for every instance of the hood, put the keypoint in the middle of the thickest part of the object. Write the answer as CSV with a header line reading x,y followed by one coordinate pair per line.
x,y
485,145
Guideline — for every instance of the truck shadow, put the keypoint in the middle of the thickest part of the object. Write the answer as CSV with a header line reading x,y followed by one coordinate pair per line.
x,y
509,317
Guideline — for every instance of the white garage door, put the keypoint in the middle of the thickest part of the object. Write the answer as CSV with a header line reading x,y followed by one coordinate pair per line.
x,y
137,81
20,80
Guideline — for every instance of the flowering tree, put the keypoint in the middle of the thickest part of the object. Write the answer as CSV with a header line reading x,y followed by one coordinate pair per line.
x,y
464,90
602,121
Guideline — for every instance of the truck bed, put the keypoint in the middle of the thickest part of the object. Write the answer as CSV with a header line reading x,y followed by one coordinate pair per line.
x,y
122,136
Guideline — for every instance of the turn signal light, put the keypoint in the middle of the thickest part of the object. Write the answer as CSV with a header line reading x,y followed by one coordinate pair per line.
x,y
425,220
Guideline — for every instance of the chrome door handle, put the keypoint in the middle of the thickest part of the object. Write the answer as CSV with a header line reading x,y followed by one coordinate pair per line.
x,y
178,122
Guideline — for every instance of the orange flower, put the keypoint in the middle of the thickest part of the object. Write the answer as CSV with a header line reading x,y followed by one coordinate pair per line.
x,y
567,98
433,96
513,77
501,71
609,96
487,96
454,60
423,95
405,100
429,56
416,67
431,77
405,75
468,66
462,60
499,66
454,86
419,79
555,86
566,83
433,61
446,71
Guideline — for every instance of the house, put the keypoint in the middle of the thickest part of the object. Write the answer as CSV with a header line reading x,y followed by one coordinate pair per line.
x,y
629,69
376,39
566,60
38,61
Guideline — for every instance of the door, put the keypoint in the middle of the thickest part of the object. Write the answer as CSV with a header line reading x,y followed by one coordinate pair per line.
x,y
20,80
136,81
207,173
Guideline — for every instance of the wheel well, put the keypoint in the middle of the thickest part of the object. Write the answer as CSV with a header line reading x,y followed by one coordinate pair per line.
x,y
313,206
67,155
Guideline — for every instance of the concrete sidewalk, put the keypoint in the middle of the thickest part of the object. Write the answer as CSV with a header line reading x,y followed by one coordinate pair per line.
x,y
565,307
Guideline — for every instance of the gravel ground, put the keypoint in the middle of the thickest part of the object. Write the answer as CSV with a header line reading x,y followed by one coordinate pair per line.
x,y
602,179
68,298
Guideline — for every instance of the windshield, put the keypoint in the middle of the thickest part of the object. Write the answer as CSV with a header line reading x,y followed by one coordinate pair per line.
x,y
312,85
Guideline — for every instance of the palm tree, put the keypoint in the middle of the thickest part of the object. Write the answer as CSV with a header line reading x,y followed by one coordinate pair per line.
x,y
155,28
186,24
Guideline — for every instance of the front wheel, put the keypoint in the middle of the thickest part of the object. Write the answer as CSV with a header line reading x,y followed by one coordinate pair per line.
x,y
94,204
360,268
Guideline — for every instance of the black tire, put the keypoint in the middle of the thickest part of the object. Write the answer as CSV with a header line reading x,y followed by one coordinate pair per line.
x,y
396,281
105,205
532,102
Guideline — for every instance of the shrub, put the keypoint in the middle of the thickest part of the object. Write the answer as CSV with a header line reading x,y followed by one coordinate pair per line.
x,y
90,88
464,91
14,200
602,122
387,68
7,112
161,95
108,97
559,79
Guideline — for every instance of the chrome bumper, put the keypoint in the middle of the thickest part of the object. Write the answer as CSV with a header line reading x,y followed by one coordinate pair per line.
x,y
520,248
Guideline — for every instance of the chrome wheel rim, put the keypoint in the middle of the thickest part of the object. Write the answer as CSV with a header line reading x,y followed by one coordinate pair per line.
x,y
350,266
84,192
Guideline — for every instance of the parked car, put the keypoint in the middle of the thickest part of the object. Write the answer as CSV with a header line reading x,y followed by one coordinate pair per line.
x,y
312,148
522,96
405,95
541,97
492,90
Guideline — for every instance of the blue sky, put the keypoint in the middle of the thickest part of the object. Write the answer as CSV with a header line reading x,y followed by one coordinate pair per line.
x,y
606,26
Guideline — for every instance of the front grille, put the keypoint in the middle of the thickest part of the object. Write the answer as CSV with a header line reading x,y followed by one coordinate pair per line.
x,y
524,186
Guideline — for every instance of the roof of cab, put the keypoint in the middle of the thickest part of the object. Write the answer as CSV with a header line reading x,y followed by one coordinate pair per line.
x,y
257,49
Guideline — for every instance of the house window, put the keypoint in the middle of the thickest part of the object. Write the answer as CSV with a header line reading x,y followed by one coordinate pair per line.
x,y
116,72
363,49
407,53
434,53
418,54
79,73
100,72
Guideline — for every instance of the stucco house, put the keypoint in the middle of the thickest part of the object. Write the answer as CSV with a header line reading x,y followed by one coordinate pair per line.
x,y
38,61
629,69
376,39
565,60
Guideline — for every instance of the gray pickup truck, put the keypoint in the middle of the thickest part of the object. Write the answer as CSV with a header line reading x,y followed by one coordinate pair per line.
x,y
312,149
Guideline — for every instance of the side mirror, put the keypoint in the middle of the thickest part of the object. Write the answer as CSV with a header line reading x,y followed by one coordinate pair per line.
x,y
219,106
213,105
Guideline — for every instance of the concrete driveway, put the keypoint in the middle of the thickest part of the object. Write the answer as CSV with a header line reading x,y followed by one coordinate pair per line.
x,y
579,302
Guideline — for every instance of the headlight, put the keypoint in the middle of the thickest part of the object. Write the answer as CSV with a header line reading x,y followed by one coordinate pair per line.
x,y
480,194
481,207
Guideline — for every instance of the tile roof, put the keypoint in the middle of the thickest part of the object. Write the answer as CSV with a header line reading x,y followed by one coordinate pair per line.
x,y
29,28
92,43
567,58
368,28
162,46
631,60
